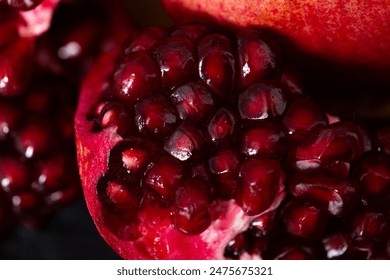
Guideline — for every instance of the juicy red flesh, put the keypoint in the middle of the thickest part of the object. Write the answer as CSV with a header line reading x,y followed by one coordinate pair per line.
x,y
209,118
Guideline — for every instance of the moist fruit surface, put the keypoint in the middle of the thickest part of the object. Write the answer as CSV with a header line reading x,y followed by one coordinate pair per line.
x,y
198,144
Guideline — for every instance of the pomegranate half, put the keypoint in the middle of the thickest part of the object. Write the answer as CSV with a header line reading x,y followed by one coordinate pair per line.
x,y
197,144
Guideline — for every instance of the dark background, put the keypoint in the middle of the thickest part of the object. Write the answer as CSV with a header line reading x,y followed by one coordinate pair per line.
x,y
71,235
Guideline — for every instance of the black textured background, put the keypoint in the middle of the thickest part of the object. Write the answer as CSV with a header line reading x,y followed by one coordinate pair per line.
x,y
70,236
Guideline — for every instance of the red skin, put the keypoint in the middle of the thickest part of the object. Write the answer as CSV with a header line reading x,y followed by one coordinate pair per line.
x,y
354,32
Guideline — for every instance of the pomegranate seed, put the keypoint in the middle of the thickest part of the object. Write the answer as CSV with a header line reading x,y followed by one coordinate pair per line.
x,y
221,125
130,158
258,184
193,102
216,63
175,57
15,69
223,165
339,246
256,58
155,116
302,116
262,101
136,78
14,175
9,120
372,175
335,195
302,219
263,139
190,209
340,141
369,227
165,176
184,143
34,139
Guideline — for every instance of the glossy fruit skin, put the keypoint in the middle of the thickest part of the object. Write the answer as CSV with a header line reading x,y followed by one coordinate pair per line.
x,y
352,34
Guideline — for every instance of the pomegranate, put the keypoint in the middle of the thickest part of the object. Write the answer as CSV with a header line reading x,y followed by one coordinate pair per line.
x,y
198,144
38,167
352,34
38,174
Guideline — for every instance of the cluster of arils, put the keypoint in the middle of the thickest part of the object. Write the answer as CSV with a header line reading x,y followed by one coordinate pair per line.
x,y
40,71
212,148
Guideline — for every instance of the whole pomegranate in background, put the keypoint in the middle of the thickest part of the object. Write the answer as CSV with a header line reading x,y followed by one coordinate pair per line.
x,y
351,33
193,143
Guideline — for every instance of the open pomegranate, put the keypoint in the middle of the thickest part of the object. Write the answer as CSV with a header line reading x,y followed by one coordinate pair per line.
x,y
196,144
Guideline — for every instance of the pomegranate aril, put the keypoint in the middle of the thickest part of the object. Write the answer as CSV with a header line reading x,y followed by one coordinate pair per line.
x,y
193,102
382,138
259,181
216,64
165,176
221,126
15,67
262,101
190,210
61,197
51,174
304,220
341,141
185,142
264,138
112,114
339,246
176,61
14,175
336,195
130,158
257,59
144,40
24,202
237,246
368,227
372,174
302,116
223,167
155,116
9,120
136,77
34,139
124,197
